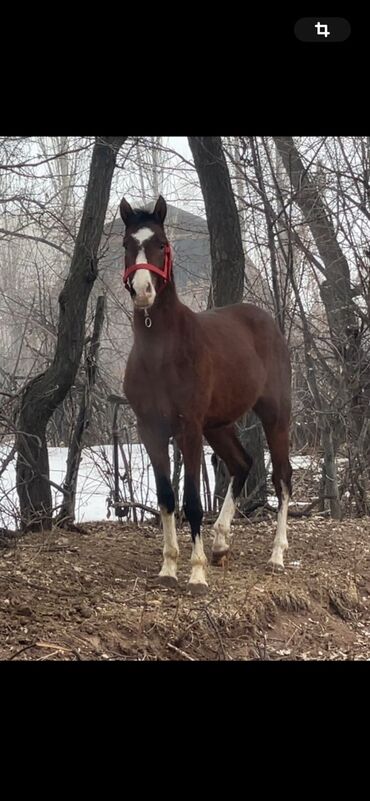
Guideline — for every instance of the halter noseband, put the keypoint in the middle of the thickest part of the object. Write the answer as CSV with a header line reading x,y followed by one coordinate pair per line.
x,y
165,272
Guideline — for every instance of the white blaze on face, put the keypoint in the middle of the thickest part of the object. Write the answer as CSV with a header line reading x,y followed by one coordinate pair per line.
x,y
142,278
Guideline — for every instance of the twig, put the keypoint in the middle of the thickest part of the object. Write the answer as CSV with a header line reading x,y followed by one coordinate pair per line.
x,y
144,607
138,505
179,651
295,512
297,628
48,656
9,458
26,648
42,644
129,480
215,629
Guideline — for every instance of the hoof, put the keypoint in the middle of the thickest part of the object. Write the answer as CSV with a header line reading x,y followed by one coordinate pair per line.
x,y
219,558
168,581
198,589
275,567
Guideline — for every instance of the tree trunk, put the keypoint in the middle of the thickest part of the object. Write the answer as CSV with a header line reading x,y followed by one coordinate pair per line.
x,y
66,515
330,477
228,273
228,264
45,392
119,509
336,290
329,481
336,295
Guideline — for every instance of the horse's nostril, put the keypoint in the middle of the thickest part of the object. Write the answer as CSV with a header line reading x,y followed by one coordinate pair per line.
x,y
149,288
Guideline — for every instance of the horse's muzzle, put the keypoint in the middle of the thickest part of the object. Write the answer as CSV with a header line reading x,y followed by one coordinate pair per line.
x,y
143,303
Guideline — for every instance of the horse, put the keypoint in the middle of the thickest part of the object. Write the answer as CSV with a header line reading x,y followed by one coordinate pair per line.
x,y
194,374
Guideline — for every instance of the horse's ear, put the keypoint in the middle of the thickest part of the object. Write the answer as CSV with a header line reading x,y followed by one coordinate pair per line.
x,y
126,210
160,209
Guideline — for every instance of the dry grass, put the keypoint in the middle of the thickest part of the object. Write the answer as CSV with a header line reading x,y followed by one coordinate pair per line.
x,y
93,596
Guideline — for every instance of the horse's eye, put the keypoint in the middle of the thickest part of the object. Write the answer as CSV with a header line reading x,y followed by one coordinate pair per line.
x,y
162,247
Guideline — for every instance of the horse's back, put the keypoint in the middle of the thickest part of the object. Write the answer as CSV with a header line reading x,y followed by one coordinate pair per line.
x,y
246,325
249,357
247,313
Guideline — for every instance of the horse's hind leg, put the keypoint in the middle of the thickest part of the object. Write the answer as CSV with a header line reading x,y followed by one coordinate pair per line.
x,y
156,445
277,435
226,444
281,477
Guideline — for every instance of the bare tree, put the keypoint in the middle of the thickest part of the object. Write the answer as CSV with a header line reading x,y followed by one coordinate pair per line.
x,y
46,391
66,515
337,295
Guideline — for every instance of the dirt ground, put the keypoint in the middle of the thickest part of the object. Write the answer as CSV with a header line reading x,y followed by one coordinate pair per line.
x,y
93,596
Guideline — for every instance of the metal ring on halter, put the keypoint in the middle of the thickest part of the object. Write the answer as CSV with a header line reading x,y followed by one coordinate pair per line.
x,y
147,321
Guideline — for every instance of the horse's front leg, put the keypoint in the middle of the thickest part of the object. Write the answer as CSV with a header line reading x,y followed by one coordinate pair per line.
x,y
190,443
156,444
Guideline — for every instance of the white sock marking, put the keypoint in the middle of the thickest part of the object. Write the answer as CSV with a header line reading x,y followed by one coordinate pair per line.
x,y
281,540
223,522
170,547
198,562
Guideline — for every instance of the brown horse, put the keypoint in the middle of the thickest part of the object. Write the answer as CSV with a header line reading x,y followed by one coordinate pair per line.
x,y
190,374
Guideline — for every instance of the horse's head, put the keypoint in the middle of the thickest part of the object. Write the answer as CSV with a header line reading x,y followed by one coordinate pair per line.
x,y
148,259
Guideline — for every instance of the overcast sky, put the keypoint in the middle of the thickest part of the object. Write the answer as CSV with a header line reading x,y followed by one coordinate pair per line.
x,y
180,143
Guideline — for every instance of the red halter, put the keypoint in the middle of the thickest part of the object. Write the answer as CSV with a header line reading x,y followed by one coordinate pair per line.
x,y
165,273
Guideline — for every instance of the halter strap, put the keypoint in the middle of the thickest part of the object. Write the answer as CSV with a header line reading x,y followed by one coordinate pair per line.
x,y
164,272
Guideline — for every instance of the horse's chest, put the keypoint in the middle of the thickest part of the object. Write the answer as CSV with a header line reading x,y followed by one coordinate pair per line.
x,y
153,390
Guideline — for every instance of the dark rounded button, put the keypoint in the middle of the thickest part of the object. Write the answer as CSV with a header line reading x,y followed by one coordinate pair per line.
x,y
322,29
